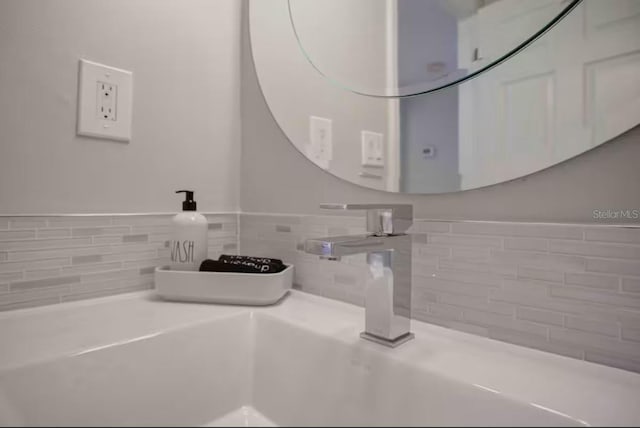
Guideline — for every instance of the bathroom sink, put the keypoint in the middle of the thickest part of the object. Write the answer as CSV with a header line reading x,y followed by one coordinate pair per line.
x,y
134,361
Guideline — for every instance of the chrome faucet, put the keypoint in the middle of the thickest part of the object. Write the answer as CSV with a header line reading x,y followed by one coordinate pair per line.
x,y
388,248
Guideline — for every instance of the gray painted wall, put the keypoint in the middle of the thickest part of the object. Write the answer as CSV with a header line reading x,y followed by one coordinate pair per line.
x,y
186,114
277,178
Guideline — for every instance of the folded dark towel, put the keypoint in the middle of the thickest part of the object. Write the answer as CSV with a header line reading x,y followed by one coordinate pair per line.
x,y
218,266
241,266
260,260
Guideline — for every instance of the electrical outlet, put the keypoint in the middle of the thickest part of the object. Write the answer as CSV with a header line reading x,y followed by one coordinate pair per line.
x,y
320,147
105,98
372,149
107,104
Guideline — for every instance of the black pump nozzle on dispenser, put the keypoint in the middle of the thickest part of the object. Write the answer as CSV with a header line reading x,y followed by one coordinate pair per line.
x,y
189,204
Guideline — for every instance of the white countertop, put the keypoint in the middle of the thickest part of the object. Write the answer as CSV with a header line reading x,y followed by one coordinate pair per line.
x,y
589,392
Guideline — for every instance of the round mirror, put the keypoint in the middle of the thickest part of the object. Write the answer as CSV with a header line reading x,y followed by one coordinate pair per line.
x,y
572,89
391,48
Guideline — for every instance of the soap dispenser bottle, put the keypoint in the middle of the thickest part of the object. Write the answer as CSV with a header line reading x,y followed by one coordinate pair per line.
x,y
189,239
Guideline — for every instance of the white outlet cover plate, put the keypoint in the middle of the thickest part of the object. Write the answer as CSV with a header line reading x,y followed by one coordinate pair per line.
x,y
320,146
90,123
372,149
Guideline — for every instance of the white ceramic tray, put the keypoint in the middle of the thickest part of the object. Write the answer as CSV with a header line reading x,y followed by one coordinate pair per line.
x,y
223,287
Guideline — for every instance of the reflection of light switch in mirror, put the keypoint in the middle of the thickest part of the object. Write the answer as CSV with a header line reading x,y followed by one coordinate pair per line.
x,y
320,148
429,152
372,149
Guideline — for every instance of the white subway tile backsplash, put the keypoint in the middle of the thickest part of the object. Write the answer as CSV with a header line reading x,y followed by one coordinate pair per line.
x,y
603,282
94,258
46,260
421,296
593,326
79,221
419,238
430,227
33,264
514,282
17,234
531,244
27,222
123,255
10,276
473,302
631,285
628,318
94,231
620,267
504,270
445,312
137,283
42,283
568,289
42,273
465,241
489,319
470,254
532,287
456,287
143,264
629,235
609,298
595,342
110,275
141,220
135,238
36,255
540,316
482,278
539,260
133,247
107,239
274,218
9,300
53,233
525,299
30,244
29,303
153,229
595,249
518,229
632,334
540,274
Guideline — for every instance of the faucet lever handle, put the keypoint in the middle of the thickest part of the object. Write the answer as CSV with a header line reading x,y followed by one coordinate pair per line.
x,y
382,219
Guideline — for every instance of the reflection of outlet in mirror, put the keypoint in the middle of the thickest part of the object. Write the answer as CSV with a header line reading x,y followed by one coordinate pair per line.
x,y
372,149
105,97
320,140
429,152
107,100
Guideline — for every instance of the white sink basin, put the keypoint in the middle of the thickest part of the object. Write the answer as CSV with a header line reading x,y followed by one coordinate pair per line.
x,y
134,361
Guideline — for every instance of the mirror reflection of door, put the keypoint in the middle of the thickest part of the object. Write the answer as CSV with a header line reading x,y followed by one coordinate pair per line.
x,y
572,89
